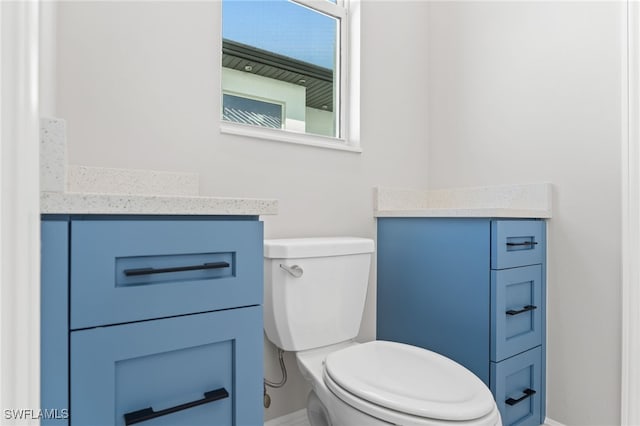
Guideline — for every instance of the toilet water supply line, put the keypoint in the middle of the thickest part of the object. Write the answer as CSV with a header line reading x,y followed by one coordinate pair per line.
x,y
267,398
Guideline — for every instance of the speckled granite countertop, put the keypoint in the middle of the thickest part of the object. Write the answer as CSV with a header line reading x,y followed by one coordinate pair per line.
x,y
88,203
69,189
507,201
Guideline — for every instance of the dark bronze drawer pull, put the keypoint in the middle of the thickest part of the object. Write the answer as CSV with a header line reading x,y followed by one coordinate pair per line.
x,y
526,243
148,413
523,310
527,393
149,271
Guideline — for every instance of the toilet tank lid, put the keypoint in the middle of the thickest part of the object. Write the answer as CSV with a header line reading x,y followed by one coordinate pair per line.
x,y
288,248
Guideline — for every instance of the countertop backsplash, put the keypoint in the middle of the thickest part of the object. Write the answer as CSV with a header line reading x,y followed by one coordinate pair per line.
x,y
76,189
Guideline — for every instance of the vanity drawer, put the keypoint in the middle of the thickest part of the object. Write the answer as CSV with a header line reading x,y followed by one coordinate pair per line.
x,y
516,243
162,366
517,310
516,385
130,270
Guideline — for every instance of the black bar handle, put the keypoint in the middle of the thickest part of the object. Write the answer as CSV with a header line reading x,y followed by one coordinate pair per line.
x,y
525,243
149,271
527,393
523,310
148,413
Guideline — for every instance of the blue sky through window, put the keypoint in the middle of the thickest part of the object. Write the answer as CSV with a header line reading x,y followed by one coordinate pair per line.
x,y
282,27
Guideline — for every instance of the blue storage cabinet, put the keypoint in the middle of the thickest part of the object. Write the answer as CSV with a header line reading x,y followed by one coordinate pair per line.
x,y
474,291
152,320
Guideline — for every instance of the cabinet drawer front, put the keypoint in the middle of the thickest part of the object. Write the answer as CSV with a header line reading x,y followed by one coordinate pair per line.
x,y
163,365
516,385
517,243
123,271
517,310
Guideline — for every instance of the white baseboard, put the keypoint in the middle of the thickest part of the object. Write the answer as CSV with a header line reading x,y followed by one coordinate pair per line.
x,y
297,418
551,422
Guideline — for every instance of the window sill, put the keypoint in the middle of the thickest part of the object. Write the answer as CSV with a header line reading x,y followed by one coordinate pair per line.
x,y
277,135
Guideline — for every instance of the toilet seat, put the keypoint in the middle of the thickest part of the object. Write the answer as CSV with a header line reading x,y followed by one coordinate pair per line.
x,y
403,382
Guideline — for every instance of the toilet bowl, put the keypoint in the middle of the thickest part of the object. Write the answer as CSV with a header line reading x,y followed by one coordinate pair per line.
x,y
381,383
314,296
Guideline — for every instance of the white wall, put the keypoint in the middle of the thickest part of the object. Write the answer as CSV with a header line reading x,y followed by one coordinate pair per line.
x,y
531,92
139,86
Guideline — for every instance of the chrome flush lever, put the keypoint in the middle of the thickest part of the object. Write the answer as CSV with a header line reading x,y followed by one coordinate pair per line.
x,y
294,270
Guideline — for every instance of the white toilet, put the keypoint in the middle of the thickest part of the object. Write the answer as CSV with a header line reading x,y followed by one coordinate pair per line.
x,y
315,290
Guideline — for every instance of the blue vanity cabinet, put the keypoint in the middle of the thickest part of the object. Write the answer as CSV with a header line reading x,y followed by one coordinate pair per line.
x,y
472,289
153,320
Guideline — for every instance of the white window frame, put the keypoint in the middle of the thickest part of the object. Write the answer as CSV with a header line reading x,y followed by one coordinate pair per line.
x,y
347,105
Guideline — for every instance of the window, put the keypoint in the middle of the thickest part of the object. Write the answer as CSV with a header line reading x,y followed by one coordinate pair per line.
x,y
284,67
251,111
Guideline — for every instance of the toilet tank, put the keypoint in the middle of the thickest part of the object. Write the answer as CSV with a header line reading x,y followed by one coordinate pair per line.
x,y
324,304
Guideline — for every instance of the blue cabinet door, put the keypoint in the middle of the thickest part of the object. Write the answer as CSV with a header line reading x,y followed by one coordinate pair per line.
x,y
157,366
517,310
516,384
433,287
